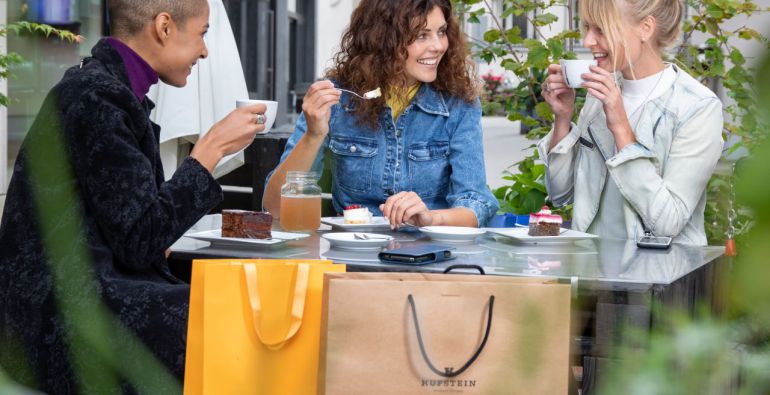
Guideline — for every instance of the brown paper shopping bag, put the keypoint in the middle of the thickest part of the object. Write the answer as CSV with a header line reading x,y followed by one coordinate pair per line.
x,y
254,326
411,333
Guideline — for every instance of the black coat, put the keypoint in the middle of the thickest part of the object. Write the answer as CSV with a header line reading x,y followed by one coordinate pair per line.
x,y
129,215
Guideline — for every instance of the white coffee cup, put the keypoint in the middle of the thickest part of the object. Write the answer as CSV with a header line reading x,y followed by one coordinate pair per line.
x,y
272,110
571,69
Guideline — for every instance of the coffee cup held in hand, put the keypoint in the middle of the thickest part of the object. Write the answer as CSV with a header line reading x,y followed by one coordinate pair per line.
x,y
270,114
571,69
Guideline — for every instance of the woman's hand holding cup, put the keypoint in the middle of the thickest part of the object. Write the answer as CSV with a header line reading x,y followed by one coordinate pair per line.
x,y
238,129
557,94
231,134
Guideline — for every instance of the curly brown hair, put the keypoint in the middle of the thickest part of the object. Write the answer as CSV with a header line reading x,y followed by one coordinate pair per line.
x,y
373,52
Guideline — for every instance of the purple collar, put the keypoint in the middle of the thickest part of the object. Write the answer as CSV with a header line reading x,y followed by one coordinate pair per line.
x,y
140,75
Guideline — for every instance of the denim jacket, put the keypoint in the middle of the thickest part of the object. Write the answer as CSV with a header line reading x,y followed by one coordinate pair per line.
x,y
662,177
434,149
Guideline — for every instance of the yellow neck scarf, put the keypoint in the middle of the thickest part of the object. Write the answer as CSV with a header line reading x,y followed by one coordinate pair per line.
x,y
399,98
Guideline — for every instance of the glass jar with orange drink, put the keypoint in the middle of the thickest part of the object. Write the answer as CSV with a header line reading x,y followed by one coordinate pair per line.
x,y
300,201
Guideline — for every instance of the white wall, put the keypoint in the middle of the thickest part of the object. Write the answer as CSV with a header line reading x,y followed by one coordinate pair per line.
x,y
3,115
332,18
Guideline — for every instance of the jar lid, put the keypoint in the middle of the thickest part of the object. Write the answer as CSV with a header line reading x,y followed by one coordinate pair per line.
x,y
301,175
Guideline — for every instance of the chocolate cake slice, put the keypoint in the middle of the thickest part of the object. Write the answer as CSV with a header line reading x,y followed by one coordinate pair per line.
x,y
246,224
543,229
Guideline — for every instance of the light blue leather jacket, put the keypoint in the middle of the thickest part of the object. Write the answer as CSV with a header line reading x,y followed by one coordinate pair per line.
x,y
663,177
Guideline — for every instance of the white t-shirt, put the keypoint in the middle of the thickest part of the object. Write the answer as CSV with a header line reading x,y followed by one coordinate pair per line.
x,y
610,221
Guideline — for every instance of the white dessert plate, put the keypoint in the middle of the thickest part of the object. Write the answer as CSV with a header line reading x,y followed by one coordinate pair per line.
x,y
378,223
521,236
215,238
357,241
452,233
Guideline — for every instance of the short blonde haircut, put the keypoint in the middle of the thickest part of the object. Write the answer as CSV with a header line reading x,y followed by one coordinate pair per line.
x,y
609,15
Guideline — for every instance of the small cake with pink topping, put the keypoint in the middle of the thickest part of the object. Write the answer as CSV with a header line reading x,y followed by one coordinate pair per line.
x,y
544,223
355,214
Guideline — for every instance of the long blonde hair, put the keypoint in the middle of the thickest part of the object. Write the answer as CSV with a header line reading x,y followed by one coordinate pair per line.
x,y
608,16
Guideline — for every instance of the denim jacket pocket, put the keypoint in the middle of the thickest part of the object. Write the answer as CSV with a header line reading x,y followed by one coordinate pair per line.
x,y
353,161
429,168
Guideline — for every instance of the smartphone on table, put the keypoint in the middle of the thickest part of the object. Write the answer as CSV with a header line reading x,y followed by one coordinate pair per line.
x,y
417,255
656,242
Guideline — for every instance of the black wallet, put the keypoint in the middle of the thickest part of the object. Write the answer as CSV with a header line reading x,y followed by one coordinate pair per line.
x,y
417,255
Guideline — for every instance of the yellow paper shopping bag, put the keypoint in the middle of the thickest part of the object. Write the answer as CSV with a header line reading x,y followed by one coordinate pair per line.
x,y
254,326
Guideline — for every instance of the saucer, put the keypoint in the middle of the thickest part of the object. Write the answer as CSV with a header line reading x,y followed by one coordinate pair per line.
x,y
452,234
355,241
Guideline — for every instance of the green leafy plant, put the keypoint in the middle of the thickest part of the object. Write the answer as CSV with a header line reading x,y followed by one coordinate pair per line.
x,y
8,60
528,59
526,193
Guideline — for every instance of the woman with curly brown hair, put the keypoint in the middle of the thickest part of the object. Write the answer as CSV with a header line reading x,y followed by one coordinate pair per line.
x,y
413,155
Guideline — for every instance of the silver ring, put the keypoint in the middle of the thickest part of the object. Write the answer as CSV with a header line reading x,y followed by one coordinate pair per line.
x,y
261,119
546,87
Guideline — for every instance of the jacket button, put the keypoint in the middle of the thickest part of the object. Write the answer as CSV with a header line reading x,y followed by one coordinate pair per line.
x,y
353,148
398,133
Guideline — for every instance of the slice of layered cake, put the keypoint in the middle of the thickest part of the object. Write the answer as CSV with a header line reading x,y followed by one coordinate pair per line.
x,y
357,214
246,224
544,223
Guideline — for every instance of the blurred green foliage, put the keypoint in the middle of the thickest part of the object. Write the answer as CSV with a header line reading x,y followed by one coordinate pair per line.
x,y
751,291
727,353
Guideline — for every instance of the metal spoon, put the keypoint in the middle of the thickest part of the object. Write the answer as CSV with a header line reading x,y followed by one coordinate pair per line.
x,y
364,236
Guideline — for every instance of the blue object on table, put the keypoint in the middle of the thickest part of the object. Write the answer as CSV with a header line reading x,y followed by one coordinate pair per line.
x,y
508,220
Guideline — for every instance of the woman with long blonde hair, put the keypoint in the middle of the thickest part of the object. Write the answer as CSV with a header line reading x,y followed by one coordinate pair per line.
x,y
648,137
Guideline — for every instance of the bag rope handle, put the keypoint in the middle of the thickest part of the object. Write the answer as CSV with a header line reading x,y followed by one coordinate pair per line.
x,y
464,266
449,371
297,308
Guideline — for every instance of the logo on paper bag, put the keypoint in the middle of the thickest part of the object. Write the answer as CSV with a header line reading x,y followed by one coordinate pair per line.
x,y
448,383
